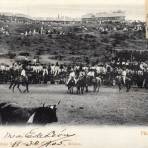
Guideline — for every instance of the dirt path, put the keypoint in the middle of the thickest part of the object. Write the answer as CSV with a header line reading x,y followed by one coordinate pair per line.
x,y
107,107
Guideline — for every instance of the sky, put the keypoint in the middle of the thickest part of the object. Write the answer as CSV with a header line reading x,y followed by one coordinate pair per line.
x,y
63,2
71,8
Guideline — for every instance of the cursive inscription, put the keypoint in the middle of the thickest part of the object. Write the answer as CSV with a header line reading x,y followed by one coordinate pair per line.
x,y
40,139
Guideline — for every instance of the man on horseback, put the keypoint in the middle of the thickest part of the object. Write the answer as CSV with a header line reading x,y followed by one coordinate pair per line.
x,y
23,74
91,75
71,81
21,79
24,78
72,76
123,81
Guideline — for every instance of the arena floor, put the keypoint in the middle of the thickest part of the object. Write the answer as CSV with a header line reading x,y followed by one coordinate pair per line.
x,y
108,107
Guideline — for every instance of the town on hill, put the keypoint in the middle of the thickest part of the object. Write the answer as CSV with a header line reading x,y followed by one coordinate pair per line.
x,y
90,39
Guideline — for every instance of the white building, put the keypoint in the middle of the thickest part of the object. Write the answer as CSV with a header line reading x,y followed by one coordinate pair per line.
x,y
117,16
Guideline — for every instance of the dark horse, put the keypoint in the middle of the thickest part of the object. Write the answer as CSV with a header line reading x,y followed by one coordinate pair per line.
x,y
120,83
80,84
20,80
11,113
71,85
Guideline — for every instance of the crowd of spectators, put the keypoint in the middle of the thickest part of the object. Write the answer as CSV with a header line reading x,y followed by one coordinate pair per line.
x,y
59,73
60,29
122,26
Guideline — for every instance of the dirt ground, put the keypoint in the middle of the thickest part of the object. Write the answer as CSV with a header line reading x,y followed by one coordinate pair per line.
x,y
108,107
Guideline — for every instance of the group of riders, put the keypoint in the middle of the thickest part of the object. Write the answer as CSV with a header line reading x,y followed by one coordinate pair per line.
x,y
95,79
82,79
77,76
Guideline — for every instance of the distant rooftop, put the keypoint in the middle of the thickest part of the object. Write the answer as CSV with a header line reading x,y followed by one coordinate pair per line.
x,y
89,15
15,14
105,14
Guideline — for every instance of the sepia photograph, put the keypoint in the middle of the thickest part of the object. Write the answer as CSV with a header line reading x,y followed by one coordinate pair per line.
x,y
73,63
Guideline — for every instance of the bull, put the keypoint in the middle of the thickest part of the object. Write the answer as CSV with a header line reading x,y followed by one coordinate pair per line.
x,y
11,113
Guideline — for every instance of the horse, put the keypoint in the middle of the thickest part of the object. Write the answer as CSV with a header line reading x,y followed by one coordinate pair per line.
x,y
12,113
71,84
120,83
20,80
94,81
80,84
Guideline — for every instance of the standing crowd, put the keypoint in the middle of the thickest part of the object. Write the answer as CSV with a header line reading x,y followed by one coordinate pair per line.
x,y
61,74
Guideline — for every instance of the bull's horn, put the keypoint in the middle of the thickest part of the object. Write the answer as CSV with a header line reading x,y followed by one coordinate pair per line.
x,y
43,104
59,102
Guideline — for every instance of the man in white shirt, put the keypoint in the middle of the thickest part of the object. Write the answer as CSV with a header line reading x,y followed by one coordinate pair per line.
x,y
52,69
45,71
23,73
123,74
71,76
91,73
56,70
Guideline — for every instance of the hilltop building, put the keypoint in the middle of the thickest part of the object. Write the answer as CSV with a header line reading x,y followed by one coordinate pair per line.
x,y
60,20
117,16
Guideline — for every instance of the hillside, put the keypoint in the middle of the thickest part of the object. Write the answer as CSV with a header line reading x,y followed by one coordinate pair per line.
x,y
74,44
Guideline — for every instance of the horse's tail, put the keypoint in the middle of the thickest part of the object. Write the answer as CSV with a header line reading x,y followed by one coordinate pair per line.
x,y
99,81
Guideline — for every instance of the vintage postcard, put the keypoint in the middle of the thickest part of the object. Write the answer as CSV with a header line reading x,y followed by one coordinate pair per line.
x,y
73,73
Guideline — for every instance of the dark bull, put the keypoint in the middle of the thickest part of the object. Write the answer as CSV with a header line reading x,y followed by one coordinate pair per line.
x,y
11,113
